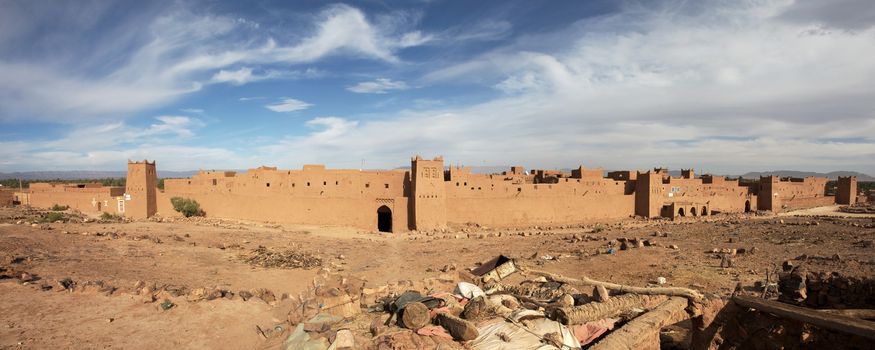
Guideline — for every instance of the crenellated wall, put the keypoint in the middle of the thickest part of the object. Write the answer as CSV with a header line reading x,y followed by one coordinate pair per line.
x,y
429,196
87,198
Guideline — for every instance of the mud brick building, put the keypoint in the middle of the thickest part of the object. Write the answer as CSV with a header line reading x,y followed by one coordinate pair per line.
x,y
431,196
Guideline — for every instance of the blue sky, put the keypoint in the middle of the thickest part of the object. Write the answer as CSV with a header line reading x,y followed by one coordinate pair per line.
x,y
722,86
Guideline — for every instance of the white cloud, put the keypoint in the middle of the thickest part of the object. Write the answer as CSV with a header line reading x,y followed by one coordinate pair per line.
x,y
235,77
378,86
245,75
288,105
107,146
177,54
244,99
725,89
332,129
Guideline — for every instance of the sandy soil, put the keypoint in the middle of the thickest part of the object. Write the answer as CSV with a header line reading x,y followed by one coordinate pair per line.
x,y
204,253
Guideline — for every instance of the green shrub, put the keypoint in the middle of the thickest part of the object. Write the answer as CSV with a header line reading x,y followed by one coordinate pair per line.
x,y
53,216
188,207
106,216
60,207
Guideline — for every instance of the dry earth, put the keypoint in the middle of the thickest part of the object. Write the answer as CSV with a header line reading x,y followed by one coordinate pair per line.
x,y
205,253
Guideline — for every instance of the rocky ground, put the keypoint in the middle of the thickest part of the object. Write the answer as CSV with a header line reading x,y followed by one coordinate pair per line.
x,y
198,283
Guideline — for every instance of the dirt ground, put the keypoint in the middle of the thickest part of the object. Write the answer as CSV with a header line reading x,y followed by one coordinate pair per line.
x,y
206,253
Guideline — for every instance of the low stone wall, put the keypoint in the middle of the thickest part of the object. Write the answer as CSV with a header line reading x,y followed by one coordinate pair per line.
x,y
726,325
835,291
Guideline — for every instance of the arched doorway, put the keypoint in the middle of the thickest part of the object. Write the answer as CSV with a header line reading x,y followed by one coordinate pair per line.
x,y
693,211
384,219
681,212
747,206
704,211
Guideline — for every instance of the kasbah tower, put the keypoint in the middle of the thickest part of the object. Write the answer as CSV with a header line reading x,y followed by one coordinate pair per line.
x,y
142,184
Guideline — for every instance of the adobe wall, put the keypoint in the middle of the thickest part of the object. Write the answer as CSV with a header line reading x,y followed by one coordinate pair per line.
x,y
498,200
846,190
141,186
309,196
778,194
23,198
717,195
87,198
6,197
429,197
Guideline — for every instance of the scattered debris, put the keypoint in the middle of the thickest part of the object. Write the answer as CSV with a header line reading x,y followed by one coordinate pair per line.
x,y
288,259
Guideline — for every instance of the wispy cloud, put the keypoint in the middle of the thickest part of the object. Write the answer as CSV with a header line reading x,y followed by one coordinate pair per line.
x,y
244,99
182,52
288,105
378,86
743,89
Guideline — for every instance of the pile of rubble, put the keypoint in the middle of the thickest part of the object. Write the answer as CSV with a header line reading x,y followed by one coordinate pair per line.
x,y
813,310
496,305
287,259
859,208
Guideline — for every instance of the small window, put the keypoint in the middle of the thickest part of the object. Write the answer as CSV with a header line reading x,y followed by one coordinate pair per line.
x,y
387,185
367,185
519,189
293,184
466,184
308,184
214,182
267,184
324,183
336,183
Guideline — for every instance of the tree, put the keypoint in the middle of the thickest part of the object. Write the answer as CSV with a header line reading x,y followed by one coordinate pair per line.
x,y
187,206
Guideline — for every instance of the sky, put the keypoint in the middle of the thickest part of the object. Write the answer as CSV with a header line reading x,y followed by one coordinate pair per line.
x,y
722,86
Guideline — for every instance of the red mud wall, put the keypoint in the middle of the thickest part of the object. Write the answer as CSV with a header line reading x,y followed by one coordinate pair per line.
x,y
87,200
501,203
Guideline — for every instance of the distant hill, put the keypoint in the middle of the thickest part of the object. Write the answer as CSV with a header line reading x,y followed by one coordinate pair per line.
x,y
89,174
792,173
84,174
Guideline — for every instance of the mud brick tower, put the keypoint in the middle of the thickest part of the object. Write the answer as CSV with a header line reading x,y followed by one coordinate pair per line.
x,y
846,190
140,190
428,193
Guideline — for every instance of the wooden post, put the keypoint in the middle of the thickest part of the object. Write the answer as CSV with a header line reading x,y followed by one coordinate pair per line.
x,y
825,320
414,316
643,331
597,311
460,329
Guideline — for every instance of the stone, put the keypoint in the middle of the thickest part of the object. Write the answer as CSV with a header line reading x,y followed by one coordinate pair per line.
x,y
26,277
600,294
344,339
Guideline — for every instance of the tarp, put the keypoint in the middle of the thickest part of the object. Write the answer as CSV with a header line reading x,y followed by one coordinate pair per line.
x,y
524,333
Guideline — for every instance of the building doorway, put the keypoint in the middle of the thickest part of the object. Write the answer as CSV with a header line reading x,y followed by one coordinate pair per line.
x,y
693,211
704,211
384,219
747,206
681,212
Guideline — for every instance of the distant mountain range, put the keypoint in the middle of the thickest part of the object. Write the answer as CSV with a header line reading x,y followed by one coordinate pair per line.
x,y
86,174
793,173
